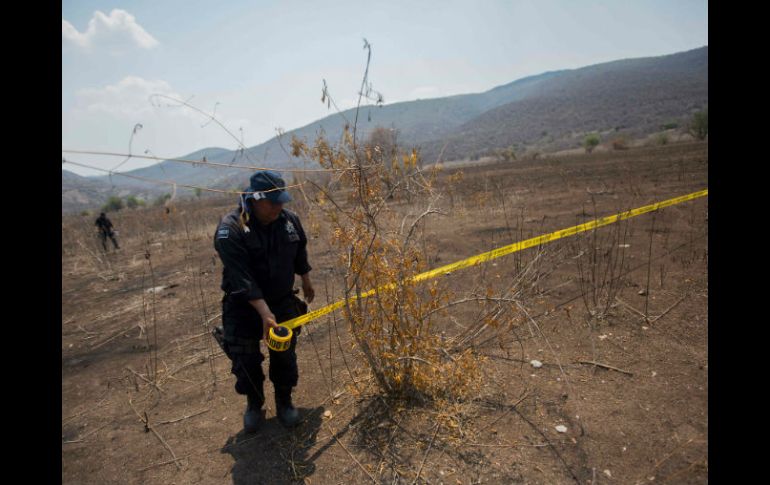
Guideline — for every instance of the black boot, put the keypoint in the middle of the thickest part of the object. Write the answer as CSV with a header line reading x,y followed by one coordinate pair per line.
x,y
286,412
254,415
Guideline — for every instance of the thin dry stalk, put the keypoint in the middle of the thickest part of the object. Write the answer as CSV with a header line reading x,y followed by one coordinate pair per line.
x,y
419,471
152,383
113,337
605,366
550,445
334,435
555,356
168,462
649,267
185,417
147,428
176,460
668,310
509,408
148,257
320,362
660,462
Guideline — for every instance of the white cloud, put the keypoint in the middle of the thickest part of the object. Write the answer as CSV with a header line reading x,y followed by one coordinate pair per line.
x,y
117,28
128,98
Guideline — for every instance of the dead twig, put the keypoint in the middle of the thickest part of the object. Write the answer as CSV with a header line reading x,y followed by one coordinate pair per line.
x,y
140,376
601,191
657,465
430,445
89,409
605,366
681,471
351,455
82,438
176,460
213,318
550,445
630,307
500,446
410,357
113,337
88,334
160,464
669,309
186,339
185,417
147,427
511,408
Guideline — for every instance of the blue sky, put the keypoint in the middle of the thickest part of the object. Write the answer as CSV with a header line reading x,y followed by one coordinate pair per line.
x,y
261,64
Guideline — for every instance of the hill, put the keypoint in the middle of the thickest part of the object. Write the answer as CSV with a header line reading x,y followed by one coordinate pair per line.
x,y
631,97
89,193
547,112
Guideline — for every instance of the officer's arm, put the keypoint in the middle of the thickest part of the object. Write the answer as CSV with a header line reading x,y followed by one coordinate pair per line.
x,y
301,265
232,250
268,319
307,288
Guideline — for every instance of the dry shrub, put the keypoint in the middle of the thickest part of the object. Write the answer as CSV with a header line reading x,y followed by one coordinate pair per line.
x,y
391,317
620,143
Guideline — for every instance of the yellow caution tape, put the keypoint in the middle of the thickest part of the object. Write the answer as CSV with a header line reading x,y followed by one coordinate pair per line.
x,y
503,251
279,339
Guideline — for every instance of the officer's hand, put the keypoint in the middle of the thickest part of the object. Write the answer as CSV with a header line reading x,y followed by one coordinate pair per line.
x,y
307,290
267,322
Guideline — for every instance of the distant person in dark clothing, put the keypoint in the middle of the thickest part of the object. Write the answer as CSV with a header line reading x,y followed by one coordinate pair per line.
x,y
105,231
262,247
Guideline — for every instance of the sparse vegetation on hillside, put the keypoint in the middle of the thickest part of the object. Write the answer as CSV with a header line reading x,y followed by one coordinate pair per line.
x,y
619,143
590,142
507,154
588,99
699,125
132,202
114,203
162,199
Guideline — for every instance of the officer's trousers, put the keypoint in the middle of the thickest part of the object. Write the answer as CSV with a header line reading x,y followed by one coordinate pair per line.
x,y
104,235
243,331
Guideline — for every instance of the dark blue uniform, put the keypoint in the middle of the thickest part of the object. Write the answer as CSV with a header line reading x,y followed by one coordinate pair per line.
x,y
105,231
260,262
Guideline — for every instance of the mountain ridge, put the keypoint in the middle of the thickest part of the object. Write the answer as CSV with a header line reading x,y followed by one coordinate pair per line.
x,y
543,112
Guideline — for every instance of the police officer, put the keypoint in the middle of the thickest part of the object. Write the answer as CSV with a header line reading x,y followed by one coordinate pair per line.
x,y
105,231
262,246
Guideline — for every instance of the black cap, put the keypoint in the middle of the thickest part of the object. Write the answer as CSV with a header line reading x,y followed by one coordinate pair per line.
x,y
263,185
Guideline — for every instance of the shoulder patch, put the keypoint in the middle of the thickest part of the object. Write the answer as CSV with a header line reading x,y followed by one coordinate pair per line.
x,y
291,232
223,233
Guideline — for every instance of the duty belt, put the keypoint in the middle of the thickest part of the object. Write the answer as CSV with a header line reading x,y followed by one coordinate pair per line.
x,y
235,345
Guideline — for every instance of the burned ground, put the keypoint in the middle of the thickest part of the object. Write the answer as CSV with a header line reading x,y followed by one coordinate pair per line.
x,y
618,317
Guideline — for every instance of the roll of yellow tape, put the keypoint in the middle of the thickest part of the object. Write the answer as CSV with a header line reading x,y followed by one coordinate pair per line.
x,y
279,339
